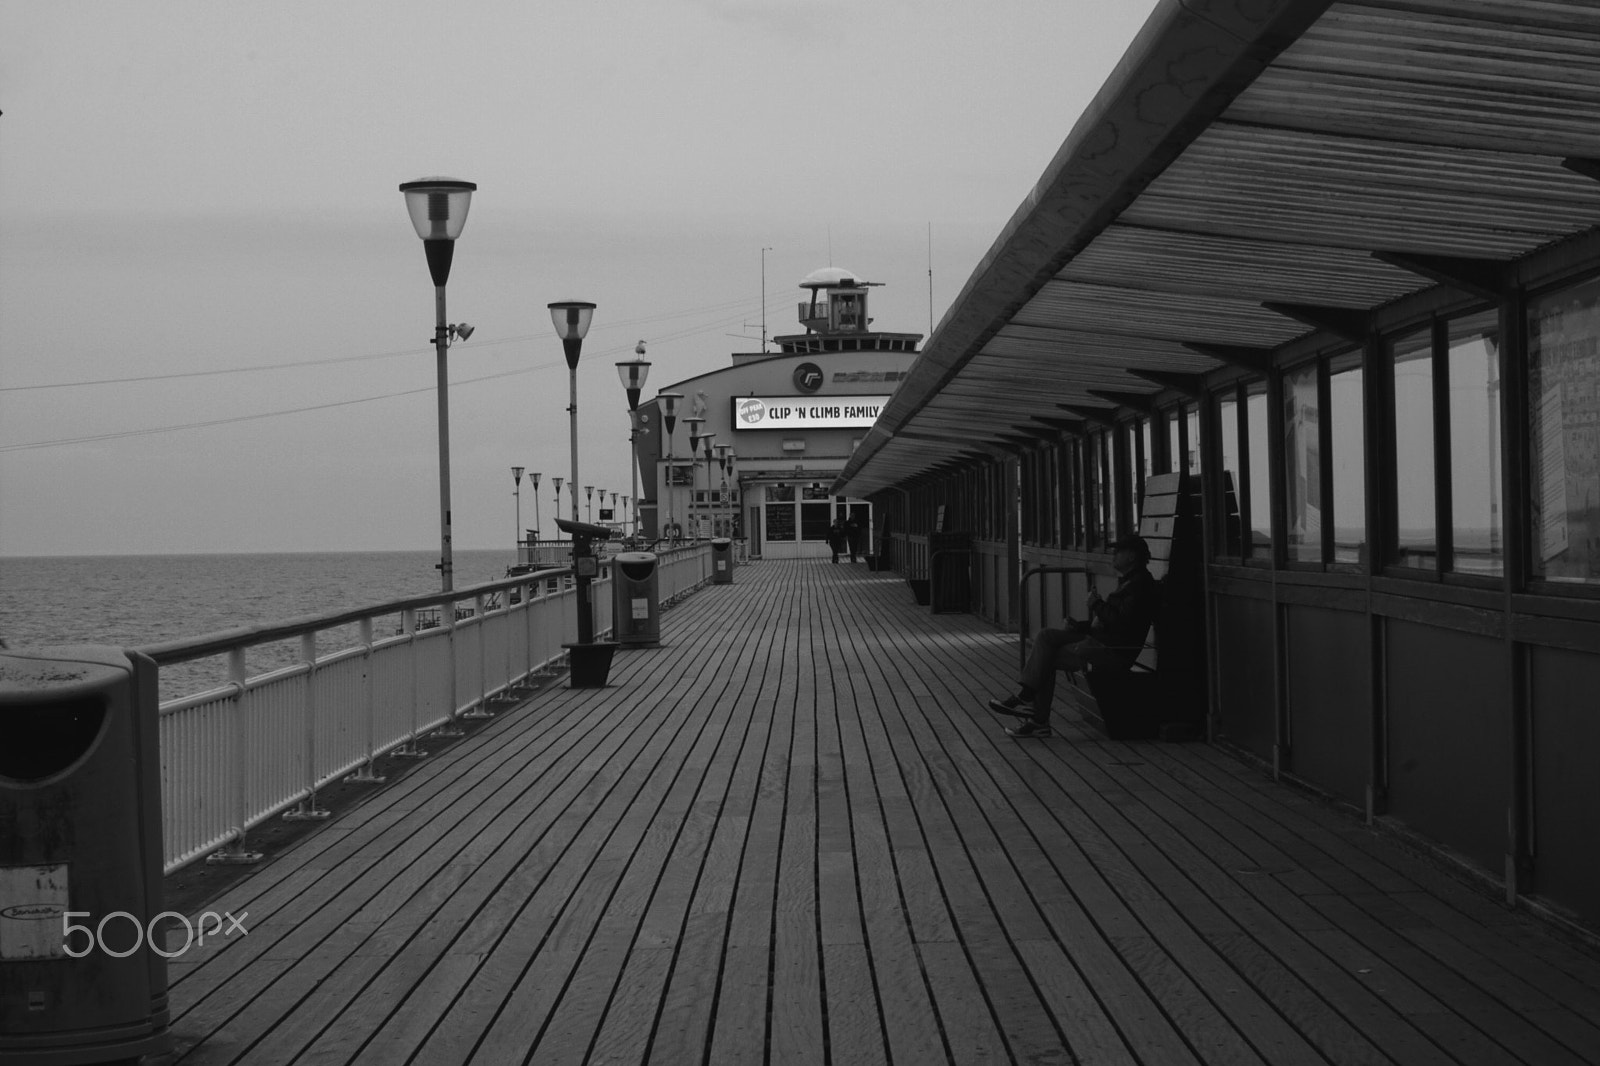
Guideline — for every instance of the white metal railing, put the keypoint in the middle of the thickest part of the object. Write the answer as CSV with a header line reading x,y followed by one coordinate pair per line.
x,y
236,755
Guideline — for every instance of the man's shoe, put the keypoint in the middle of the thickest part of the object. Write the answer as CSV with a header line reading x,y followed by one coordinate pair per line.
x,y
1011,705
1028,731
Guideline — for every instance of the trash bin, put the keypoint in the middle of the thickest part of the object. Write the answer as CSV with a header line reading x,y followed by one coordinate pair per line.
x,y
721,561
636,603
80,857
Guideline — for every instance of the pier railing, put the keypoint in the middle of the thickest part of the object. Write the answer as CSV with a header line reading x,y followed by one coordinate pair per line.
x,y
234,756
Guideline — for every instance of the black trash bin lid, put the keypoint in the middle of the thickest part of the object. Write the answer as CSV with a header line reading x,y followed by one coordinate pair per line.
x,y
635,565
53,705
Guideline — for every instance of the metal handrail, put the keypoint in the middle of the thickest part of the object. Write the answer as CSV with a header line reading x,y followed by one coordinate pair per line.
x,y
1022,601
236,755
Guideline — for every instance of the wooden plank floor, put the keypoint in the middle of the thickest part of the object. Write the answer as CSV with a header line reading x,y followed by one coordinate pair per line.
x,y
793,834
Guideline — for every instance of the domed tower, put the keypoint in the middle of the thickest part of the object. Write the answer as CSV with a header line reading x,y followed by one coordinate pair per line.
x,y
836,319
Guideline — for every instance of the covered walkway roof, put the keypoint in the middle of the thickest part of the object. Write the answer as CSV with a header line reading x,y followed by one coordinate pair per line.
x,y
1251,173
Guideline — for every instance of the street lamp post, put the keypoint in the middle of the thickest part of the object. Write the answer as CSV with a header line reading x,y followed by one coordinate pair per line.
x,y
571,319
694,424
438,209
722,494
733,505
632,373
516,491
533,479
589,490
705,443
558,503
669,419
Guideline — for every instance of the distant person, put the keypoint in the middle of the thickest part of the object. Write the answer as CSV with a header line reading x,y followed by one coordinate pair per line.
x,y
1110,639
836,537
852,536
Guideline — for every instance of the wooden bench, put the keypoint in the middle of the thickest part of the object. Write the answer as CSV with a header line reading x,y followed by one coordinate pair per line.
x,y
1162,695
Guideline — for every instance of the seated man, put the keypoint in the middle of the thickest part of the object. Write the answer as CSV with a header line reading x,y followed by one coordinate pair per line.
x,y
1110,640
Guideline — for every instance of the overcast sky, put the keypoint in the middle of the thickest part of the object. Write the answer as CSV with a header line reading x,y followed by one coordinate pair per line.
x,y
193,195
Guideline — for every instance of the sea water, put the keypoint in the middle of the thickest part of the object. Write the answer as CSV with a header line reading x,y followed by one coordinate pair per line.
x,y
135,600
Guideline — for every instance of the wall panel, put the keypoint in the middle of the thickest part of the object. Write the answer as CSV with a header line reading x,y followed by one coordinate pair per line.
x,y
1448,725
1245,674
1330,700
1566,758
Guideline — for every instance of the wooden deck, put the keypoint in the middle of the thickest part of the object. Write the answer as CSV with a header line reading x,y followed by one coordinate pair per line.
x,y
793,834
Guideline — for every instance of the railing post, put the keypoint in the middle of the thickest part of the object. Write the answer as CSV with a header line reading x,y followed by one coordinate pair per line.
x,y
408,624
367,772
237,853
527,633
308,809
481,708
447,619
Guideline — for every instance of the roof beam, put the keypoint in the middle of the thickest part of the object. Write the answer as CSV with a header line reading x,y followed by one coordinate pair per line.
x,y
1589,168
1090,414
1340,321
1478,277
1061,425
1191,385
1256,359
1138,401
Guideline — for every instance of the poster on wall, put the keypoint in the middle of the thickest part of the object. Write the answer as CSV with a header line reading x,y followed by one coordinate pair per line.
x,y
780,522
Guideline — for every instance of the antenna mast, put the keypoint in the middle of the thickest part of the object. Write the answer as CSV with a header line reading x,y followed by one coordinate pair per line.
x,y
930,279
764,250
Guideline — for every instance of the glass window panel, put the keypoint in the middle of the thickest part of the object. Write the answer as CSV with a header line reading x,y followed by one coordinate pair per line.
x,y
1075,491
1097,501
1149,447
1113,488
1416,534
1130,437
1564,419
1191,458
815,518
1174,456
1053,489
1475,444
1228,423
1347,446
1302,450
1258,440
780,491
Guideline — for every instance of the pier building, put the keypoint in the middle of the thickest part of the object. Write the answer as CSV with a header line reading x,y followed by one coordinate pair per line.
x,y
792,418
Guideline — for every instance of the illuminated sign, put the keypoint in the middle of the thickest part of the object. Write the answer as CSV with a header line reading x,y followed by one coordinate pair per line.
x,y
806,412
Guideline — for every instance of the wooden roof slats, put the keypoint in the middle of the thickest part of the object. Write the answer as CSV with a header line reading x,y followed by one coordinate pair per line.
x,y
1317,161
